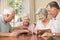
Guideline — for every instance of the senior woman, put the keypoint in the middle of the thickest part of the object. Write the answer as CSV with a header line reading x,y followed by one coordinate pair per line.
x,y
43,24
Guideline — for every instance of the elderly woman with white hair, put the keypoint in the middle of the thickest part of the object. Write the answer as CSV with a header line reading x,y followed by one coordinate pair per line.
x,y
7,16
43,24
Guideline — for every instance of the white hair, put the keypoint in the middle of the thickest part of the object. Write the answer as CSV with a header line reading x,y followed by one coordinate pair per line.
x,y
25,15
8,11
42,11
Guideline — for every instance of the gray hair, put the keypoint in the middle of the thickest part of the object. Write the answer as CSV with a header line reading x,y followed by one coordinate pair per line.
x,y
43,11
25,15
8,11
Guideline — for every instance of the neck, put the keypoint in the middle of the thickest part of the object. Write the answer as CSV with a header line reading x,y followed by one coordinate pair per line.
x,y
56,14
45,20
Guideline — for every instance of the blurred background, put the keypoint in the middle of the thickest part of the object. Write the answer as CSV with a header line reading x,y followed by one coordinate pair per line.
x,y
24,7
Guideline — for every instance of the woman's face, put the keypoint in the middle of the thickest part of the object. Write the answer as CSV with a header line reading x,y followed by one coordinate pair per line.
x,y
42,17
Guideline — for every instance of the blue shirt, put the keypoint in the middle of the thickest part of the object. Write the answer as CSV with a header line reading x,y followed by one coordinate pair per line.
x,y
4,27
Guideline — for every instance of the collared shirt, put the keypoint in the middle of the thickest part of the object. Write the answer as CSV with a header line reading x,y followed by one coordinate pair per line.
x,y
56,24
55,27
39,25
4,27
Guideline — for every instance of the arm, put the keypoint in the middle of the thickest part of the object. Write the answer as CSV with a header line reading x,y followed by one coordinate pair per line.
x,y
51,34
56,35
16,26
44,31
10,28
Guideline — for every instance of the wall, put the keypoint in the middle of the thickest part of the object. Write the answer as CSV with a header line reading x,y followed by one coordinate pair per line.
x,y
29,6
3,4
58,2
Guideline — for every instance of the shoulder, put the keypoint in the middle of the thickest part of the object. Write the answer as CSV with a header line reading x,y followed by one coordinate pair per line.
x,y
38,22
1,18
18,24
32,25
58,13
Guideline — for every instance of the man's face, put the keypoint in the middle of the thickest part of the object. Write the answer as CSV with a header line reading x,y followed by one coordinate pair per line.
x,y
52,10
26,20
9,17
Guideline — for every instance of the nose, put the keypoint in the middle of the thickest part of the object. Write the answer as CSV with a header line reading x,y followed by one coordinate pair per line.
x,y
40,18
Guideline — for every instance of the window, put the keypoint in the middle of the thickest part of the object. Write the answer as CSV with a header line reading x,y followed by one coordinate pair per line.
x,y
17,5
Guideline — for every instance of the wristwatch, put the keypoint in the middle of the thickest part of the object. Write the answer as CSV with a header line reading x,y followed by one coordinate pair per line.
x,y
54,34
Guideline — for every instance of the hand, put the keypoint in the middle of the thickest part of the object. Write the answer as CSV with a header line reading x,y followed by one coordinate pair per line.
x,y
24,31
16,33
47,34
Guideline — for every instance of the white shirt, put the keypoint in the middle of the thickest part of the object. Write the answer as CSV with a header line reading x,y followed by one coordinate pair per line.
x,y
56,24
40,25
58,16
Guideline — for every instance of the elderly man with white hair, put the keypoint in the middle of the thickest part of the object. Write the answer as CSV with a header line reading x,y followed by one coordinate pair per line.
x,y
7,16
25,24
